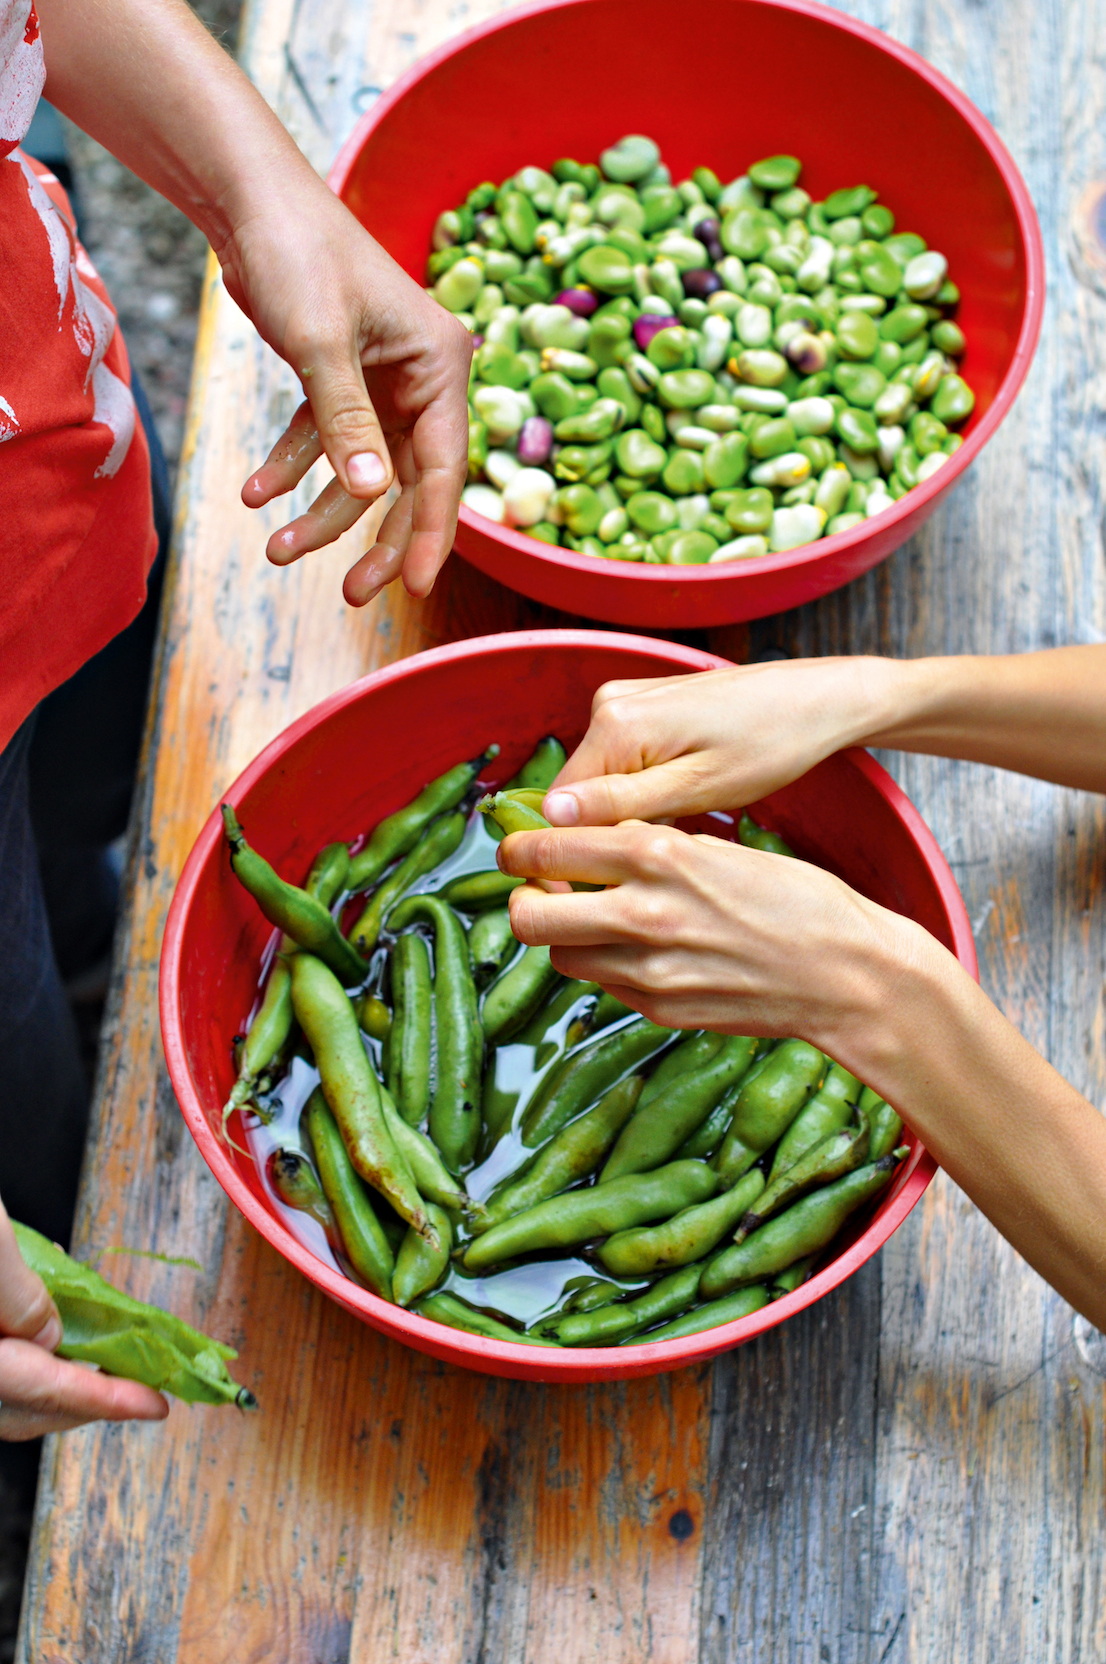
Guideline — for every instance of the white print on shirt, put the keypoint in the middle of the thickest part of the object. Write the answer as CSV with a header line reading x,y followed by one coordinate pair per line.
x,y
22,71
9,421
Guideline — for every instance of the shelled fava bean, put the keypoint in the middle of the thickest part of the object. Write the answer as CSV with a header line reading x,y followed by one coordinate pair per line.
x,y
695,372
510,1152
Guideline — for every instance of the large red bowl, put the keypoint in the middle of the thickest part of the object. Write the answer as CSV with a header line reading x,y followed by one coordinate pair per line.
x,y
404,725
718,82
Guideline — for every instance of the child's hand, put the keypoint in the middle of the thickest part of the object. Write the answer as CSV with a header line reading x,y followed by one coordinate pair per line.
x,y
38,1392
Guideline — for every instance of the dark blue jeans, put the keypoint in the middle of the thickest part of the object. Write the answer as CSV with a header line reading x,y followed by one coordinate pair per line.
x,y
66,781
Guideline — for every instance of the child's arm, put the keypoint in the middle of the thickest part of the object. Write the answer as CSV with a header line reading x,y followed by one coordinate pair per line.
x,y
384,368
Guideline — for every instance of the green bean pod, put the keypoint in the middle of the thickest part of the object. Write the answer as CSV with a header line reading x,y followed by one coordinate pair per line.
x,y
329,874
656,1133
491,944
611,1324
605,1011
418,1266
351,1087
830,1109
295,1182
832,1158
767,1105
885,1122
476,892
301,916
758,837
743,1303
265,1040
435,845
515,996
455,1110
457,1314
807,1226
433,1180
537,773
374,1018
596,1292
705,1140
399,832
687,1236
410,1042
519,810
557,1003
583,1075
598,1210
786,1282
573,1154
363,1240
692,1053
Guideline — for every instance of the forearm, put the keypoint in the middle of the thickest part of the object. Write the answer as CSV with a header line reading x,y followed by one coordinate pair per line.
x,y
146,79
1016,1138
1041,714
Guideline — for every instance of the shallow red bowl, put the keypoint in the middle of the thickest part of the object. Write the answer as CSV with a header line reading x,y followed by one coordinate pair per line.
x,y
404,725
722,82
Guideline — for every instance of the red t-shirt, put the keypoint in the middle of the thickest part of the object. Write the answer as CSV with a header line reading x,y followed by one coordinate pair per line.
x,y
76,526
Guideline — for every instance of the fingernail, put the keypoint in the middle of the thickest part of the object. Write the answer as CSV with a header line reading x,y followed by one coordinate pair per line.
x,y
49,1335
561,809
366,470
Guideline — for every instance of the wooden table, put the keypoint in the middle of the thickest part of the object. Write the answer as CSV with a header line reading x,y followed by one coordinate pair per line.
x,y
913,1470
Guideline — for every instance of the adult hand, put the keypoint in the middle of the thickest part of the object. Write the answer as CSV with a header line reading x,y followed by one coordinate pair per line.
x,y
681,745
38,1392
385,370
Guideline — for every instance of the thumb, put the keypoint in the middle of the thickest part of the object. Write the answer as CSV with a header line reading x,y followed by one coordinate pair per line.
x,y
348,426
651,794
26,1309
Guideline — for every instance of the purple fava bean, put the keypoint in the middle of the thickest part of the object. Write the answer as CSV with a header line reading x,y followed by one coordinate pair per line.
x,y
648,325
700,283
580,301
477,342
535,441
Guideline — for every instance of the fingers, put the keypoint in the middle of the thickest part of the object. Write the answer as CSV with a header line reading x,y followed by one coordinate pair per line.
x,y
595,855
333,512
26,1309
439,454
349,430
43,1394
665,791
298,447
384,560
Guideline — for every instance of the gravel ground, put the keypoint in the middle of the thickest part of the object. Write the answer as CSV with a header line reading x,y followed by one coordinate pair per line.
x,y
152,260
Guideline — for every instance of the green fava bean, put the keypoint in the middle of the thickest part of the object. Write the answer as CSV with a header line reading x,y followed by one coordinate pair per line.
x,y
614,383
768,1103
772,437
418,1266
743,233
587,427
857,335
885,1124
409,1048
478,447
352,1090
458,287
661,205
457,1314
858,430
879,272
652,420
750,511
584,464
619,1322
761,367
685,389
638,456
954,400
519,221
598,1210
631,159
651,512
806,1226
477,892
437,843
491,944
776,173
903,323
693,548
684,473
554,395
362,1239
581,508
573,1154
725,461
126,1337
758,837
830,1159
537,773
690,1054
584,1074
608,269
609,340
498,365
657,1130
398,833
455,1109
877,221
516,996
840,205
860,384
830,1109
686,1237
948,337
710,1315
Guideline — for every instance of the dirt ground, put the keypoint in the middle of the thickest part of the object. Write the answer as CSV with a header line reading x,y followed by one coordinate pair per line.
x,y
152,260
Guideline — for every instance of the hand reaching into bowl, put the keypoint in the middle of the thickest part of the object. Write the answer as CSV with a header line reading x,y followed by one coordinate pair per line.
x,y
697,932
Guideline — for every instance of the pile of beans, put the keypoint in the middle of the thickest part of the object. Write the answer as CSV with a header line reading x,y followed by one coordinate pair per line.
x,y
696,372
467,1133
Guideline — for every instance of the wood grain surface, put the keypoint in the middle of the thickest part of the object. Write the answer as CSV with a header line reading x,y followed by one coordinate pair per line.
x,y
913,1470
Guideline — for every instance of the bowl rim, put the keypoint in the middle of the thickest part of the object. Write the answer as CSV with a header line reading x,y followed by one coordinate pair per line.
x,y
916,501
570,1364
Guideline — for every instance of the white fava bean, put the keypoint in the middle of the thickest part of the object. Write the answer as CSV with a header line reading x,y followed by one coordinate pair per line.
x,y
692,511
556,326
527,495
766,401
503,327
501,468
790,468
717,332
754,325
695,438
720,418
925,274
657,305
814,273
676,420
502,411
891,441
732,272
893,402
483,500
740,548
527,318
811,416
930,464
878,500
792,527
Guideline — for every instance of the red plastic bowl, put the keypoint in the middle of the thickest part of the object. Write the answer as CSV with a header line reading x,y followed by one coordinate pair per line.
x,y
405,724
722,83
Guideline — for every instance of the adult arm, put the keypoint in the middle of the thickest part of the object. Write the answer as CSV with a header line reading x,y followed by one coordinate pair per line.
x,y
38,1392
684,744
383,367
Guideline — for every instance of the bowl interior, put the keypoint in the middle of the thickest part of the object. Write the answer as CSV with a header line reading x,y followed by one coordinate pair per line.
x,y
368,750
715,83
